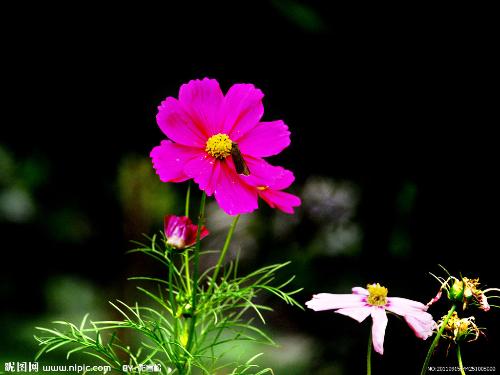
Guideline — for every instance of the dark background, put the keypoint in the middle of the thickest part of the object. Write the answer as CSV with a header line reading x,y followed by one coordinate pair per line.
x,y
399,103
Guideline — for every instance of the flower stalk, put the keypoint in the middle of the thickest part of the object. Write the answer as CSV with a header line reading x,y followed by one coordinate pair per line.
x,y
369,355
171,299
201,220
186,253
459,357
436,340
223,252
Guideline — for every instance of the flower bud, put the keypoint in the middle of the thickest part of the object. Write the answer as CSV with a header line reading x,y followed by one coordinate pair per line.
x,y
180,232
456,292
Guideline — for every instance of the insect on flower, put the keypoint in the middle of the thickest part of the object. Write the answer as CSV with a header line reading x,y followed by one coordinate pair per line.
x,y
239,162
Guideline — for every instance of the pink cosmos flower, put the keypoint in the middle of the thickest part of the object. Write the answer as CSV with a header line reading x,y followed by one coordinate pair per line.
x,y
374,301
181,232
210,132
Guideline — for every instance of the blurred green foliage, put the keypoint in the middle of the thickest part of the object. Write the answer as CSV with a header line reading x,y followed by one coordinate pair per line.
x,y
145,200
301,14
400,242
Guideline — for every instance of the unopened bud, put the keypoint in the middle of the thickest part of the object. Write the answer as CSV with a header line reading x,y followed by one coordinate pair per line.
x,y
456,292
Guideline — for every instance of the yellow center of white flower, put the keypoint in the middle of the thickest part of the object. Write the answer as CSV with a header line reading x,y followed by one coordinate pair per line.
x,y
377,294
219,146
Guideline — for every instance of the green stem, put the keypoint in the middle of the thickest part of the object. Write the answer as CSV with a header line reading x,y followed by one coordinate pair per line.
x,y
188,198
186,252
369,355
436,340
460,364
201,220
171,296
223,252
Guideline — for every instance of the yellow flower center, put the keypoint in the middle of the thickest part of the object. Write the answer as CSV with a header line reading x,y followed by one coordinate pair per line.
x,y
219,146
377,294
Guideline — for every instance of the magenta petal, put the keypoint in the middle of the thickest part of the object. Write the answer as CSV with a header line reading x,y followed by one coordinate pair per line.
x,y
243,110
263,174
234,196
178,125
357,313
204,169
266,139
172,223
378,328
281,200
282,180
169,159
191,234
176,230
203,100
328,301
421,323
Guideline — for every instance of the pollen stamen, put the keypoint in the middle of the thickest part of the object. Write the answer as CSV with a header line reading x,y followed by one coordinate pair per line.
x,y
219,146
377,295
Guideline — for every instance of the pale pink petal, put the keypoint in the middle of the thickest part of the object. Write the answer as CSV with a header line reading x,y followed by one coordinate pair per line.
x,y
359,290
265,175
281,200
232,194
414,313
378,328
483,302
266,139
401,306
328,301
421,323
203,100
169,159
357,313
178,125
436,298
242,110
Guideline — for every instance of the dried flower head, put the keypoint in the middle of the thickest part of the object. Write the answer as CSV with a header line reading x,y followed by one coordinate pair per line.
x,y
465,291
457,329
